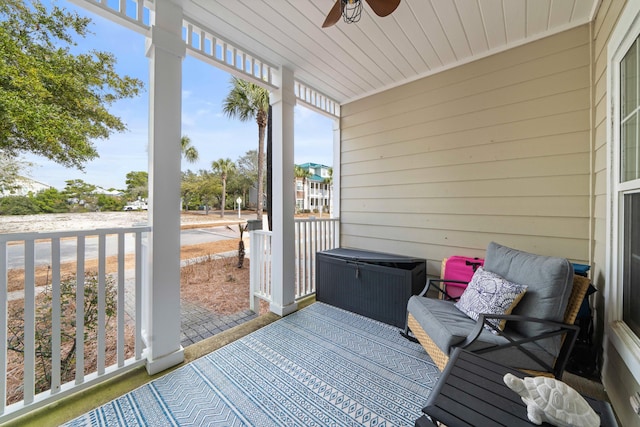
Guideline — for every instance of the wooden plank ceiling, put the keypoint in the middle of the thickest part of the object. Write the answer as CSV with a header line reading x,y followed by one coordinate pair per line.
x,y
422,37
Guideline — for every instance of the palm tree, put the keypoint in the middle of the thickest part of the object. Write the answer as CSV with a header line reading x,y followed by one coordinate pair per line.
x,y
223,167
303,173
248,101
329,182
189,152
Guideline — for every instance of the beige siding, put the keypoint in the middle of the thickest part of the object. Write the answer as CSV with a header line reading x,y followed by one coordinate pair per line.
x,y
618,380
511,148
603,26
495,150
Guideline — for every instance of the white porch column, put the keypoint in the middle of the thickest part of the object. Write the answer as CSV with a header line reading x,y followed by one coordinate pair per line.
x,y
337,156
161,306
283,238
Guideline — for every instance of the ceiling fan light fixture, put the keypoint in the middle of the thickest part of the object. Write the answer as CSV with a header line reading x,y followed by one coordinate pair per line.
x,y
351,10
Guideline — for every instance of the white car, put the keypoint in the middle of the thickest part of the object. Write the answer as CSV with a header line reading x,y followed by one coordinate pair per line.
x,y
141,207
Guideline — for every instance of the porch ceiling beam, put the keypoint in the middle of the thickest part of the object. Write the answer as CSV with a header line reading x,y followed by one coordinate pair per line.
x,y
208,46
316,101
204,44
135,22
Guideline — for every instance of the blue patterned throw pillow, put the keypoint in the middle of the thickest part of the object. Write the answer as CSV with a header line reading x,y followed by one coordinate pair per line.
x,y
489,293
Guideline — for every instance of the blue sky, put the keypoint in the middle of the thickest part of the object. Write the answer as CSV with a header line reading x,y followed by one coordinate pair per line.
x,y
203,89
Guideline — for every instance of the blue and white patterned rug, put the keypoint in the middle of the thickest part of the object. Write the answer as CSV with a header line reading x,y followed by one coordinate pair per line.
x,y
320,366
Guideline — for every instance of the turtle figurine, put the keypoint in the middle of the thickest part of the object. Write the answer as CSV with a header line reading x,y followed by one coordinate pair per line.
x,y
553,401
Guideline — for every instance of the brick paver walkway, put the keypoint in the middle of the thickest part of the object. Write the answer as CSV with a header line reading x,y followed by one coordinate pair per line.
x,y
196,323
199,323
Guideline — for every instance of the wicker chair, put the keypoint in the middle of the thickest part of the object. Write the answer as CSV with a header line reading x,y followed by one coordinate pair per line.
x,y
564,332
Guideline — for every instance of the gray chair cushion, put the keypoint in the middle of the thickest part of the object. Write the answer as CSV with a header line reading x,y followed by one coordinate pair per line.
x,y
448,327
548,279
445,324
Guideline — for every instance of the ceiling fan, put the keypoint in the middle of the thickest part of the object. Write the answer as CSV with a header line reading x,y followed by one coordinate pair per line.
x,y
350,10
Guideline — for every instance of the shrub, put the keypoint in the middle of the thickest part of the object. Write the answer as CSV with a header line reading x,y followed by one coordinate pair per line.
x,y
43,332
18,205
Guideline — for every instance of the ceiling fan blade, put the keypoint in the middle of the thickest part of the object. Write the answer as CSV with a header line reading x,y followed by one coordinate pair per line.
x,y
383,7
334,14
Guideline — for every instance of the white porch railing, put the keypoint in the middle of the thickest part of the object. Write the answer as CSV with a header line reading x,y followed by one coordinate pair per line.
x,y
99,295
312,235
259,268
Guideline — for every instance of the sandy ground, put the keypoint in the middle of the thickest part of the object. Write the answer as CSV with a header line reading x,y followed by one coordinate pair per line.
x,y
95,220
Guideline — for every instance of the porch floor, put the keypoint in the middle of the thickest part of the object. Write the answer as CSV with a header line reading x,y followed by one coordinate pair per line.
x,y
74,406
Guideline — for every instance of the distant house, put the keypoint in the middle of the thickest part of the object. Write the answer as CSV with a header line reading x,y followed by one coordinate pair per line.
x,y
314,193
23,186
114,193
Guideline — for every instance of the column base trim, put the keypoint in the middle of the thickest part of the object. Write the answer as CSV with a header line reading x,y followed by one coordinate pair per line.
x,y
165,362
283,311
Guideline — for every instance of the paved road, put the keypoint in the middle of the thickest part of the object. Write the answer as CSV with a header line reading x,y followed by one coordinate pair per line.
x,y
68,247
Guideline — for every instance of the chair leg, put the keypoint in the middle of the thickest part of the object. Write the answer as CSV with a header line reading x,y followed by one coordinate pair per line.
x,y
407,334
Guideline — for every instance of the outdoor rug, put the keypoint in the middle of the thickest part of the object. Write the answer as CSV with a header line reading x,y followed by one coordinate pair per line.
x,y
321,366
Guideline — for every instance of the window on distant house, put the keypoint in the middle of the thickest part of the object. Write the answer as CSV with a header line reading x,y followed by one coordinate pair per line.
x,y
629,185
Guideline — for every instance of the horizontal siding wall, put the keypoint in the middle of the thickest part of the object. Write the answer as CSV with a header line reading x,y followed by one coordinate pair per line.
x,y
495,150
618,380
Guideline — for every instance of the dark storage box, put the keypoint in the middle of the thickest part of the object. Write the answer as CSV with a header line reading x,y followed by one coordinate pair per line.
x,y
373,284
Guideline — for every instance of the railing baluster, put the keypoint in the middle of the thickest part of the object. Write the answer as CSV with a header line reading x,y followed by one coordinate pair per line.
x,y
259,262
102,306
296,256
3,317
266,275
311,236
138,296
80,254
29,320
55,315
313,247
264,265
270,240
121,301
190,35
83,239
140,11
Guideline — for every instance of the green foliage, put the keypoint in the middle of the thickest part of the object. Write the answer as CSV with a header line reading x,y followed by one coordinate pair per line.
x,y
54,102
301,172
19,205
137,185
77,188
51,201
110,203
43,332
10,169
189,190
200,189
246,176
189,152
47,201
223,167
80,195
